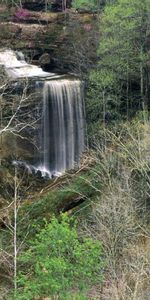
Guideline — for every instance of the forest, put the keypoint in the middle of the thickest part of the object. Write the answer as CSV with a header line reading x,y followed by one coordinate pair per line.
x,y
74,149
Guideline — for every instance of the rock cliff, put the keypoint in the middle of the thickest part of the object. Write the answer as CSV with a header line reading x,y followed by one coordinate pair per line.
x,y
68,38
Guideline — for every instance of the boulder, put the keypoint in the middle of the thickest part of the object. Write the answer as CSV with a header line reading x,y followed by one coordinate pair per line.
x,y
44,59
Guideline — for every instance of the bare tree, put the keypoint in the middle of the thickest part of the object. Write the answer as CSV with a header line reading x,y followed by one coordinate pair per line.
x,y
18,118
119,216
64,5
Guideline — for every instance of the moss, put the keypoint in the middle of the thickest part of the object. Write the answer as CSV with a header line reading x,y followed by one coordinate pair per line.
x,y
82,186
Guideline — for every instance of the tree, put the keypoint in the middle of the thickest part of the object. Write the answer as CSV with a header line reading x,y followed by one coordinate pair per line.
x,y
58,260
85,4
123,56
15,121
122,48
64,5
11,243
18,117
90,5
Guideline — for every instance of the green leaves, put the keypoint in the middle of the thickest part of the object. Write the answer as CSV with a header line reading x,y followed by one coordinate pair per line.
x,y
85,4
124,28
119,83
58,261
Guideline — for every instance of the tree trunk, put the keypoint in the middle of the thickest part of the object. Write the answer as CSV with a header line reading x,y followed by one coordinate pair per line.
x,y
15,234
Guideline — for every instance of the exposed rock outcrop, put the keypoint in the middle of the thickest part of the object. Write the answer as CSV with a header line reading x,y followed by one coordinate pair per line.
x,y
41,5
69,38
45,60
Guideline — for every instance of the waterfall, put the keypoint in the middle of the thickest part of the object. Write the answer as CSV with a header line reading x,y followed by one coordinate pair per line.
x,y
61,131
62,136
16,66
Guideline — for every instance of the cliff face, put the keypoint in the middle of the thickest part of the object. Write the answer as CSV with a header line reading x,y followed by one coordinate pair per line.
x,y
69,39
54,5
58,41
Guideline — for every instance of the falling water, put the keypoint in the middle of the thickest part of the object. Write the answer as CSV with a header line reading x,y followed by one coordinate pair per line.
x,y
61,132
62,126
16,66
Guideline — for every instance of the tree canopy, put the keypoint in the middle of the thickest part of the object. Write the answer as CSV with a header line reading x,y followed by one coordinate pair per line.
x,y
122,60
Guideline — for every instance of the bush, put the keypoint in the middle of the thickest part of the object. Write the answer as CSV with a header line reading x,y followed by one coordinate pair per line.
x,y
84,4
59,262
22,14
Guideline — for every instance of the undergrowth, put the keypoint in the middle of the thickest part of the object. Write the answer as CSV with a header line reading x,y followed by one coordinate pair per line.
x,y
114,211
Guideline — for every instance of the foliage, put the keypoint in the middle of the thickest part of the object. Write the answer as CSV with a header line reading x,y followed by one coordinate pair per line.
x,y
90,5
32,213
102,97
124,28
118,87
59,261
22,14
120,217
84,4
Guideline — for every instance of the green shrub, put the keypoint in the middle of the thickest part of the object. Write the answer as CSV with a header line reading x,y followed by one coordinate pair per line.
x,y
85,4
58,261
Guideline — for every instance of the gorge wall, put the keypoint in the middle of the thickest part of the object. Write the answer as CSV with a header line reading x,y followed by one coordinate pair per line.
x,y
62,42
68,40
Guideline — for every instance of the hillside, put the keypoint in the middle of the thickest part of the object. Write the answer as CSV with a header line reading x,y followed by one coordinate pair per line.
x,y
74,150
